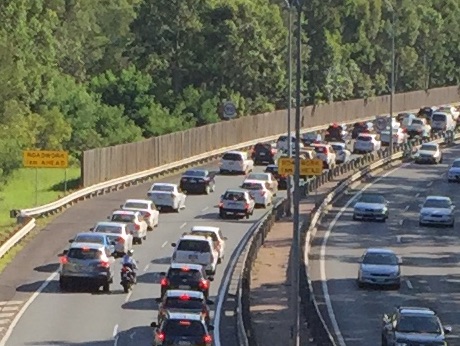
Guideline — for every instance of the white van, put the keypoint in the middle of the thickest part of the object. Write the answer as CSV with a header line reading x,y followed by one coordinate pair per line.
x,y
442,122
236,162
196,249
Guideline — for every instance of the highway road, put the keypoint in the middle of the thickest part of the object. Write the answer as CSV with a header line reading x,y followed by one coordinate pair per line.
x,y
81,318
431,256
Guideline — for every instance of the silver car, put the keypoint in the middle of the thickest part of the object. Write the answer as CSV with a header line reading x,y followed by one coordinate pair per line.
x,y
453,175
379,267
371,206
437,210
429,153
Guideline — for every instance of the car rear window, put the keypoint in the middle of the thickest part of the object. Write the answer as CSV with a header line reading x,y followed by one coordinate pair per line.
x,y
84,254
438,117
258,176
207,234
194,245
337,147
123,217
234,196
195,173
136,205
364,138
417,122
177,273
184,302
163,188
427,147
262,147
232,157
271,169
183,328
108,229
89,239
252,186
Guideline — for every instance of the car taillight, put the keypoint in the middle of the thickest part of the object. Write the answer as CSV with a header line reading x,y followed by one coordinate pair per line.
x,y
164,282
207,338
161,336
184,179
64,260
246,206
137,227
221,205
104,264
121,240
147,215
204,285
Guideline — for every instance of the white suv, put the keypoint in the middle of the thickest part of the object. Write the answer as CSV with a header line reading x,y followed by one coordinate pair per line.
x,y
196,249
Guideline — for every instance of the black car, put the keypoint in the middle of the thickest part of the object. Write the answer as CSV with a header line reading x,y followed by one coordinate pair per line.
x,y
309,138
334,134
281,179
186,277
413,326
263,153
198,181
359,128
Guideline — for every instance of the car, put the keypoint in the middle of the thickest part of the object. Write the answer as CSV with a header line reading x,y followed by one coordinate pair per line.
x,y
282,143
147,208
379,267
167,196
198,181
405,119
437,210
96,238
453,174
371,206
419,128
342,154
428,153
310,137
236,162
413,326
335,133
217,237
426,113
264,153
282,179
183,301
450,109
366,143
196,249
267,177
326,153
182,329
237,203
399,136
87,263
260,191
359,128
442,122
186,276
134,221
124,237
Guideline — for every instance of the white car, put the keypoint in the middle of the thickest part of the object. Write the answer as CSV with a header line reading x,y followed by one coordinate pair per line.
x,y
268,178
216,234
166,195
453,174
196,249
419,128
147,208
236,162
122,235
450,109
259,190
282,144
326,153
342,154
437,210
134,221
366,143
399,136
428,153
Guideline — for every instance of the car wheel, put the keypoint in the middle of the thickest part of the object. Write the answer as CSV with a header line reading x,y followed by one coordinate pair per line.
x,y
248,215
354,218
219,260
384,341
452,225
139,241
360,284
222,215
63,284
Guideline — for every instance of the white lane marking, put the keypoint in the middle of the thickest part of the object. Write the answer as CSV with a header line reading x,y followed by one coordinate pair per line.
x,y
11,302
25,307
409,284
327,297
146,267
417,195
398,238
429,184
401,222
115,331
407,208
164,244
204,209
183,225
128,296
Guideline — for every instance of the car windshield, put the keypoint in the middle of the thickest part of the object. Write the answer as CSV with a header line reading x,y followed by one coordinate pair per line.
x,y
184,303
427,147
418,324
252,186
84,253
364,138
436,203
183,328
181,274
417,122
445,109
380,258
88,238
367,198
136,205
438,117
123,217
192,173
108,229
194,246
206,234
232,157
163,188
272,169
456,164
258,176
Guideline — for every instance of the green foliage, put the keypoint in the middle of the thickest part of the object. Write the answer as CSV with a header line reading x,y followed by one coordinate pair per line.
x,y
76,75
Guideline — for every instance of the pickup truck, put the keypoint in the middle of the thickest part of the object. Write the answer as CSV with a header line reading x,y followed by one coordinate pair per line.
x,y
236,202
236,162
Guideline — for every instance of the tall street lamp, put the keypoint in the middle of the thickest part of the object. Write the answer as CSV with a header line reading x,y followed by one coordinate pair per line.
x,y
392,82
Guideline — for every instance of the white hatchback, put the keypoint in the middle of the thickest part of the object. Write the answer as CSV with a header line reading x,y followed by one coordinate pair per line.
x,y
146,208
166,195
259,190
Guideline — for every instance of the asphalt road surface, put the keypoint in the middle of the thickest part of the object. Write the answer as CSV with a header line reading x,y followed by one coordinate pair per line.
x,y
430,272
82,318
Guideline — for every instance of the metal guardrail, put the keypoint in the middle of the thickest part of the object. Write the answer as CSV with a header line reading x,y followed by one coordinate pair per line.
x,y
362,166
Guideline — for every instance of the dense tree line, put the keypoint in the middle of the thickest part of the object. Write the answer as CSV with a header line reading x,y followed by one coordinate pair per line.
x,y
79,74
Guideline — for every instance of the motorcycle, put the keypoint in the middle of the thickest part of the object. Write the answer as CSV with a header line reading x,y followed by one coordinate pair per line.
x,y
127,278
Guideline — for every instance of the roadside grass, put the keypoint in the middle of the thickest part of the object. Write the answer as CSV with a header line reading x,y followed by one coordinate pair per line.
x,y
19,192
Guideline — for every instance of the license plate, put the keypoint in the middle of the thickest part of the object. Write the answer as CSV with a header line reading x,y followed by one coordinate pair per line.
x,y
184,343
192,180
193,257
230,163
232,204
184,287
262,154
160,196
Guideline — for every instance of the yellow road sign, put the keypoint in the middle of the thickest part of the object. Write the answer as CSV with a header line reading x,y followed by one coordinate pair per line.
x,y
45,159
307,167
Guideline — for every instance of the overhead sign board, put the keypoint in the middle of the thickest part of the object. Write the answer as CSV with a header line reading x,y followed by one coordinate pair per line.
x,y
45,159
307,167
229,110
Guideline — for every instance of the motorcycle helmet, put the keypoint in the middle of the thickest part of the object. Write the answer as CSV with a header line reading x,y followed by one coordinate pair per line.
x,y
130,252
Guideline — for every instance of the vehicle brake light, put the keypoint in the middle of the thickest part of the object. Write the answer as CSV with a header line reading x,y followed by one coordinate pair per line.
x,y
164,282
185,269
184,179
246,206
204,285
184,323
121,240
184,297
161,336
207,338
147,215
137,227
221,205
64,260
85,249
104,264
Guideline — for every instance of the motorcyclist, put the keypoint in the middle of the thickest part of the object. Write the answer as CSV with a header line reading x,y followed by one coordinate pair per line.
x,y
129,261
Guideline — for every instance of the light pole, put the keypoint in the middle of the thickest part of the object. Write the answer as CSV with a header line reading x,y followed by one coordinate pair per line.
x,y
296,228
392,82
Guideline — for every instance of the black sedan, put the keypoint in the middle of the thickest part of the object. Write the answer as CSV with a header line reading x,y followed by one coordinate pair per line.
x,y
198,181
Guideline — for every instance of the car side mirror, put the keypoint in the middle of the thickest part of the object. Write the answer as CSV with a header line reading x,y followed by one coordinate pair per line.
x,y
209,302
154,325
163,274
173,244
158,300
447,329
71,240
211,278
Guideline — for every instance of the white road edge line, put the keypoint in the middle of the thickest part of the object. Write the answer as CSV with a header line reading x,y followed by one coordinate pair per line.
x,y
183,225
401,222
409,284
26,306
417,195
146,267
327,297
204,209
115,331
